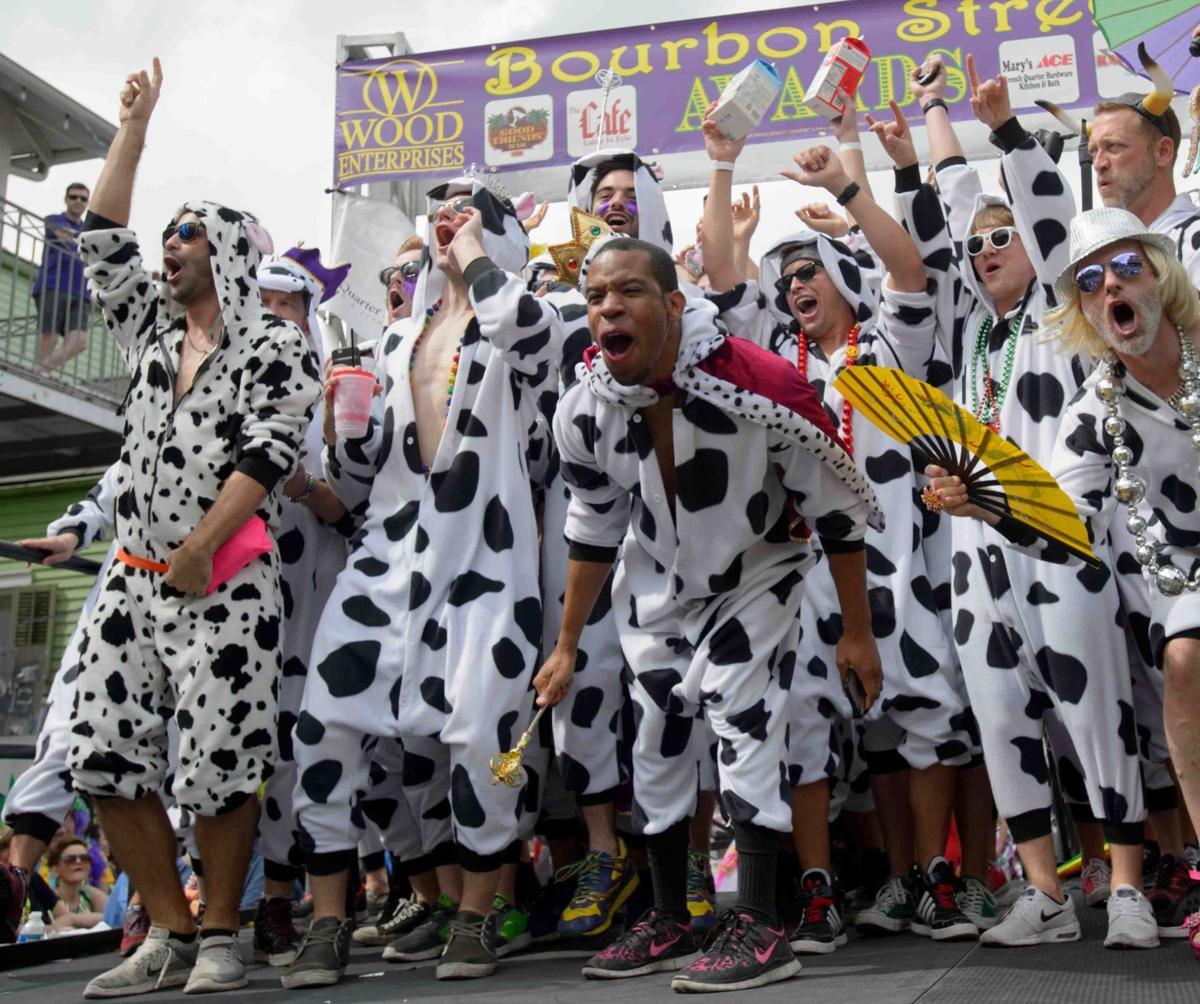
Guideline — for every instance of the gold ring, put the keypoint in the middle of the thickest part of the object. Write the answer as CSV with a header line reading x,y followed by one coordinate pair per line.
x,y
933,501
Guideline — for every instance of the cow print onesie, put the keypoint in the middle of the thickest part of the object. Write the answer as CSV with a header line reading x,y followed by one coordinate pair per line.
x,y
150,651
1017,622
434,627
707,594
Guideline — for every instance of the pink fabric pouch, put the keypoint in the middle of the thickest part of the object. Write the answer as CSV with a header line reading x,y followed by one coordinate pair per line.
x,y
247,543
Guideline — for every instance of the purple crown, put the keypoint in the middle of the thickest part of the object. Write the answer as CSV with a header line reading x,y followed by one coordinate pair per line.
x,y
326,280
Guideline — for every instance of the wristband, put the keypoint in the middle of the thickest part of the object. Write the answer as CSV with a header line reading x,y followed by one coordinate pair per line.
x,y
310,485
851,146
722,165
848,193
934,103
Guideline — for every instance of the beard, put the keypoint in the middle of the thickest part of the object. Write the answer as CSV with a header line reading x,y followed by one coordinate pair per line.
x,y
1122,192
1149,311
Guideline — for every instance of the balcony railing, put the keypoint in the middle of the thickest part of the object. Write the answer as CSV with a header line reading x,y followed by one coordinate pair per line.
x,y
97,371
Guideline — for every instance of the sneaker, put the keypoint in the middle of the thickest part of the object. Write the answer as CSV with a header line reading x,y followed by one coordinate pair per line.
x,y
219,966
603,884
470,947
427,939
1192,926
547,910
1096,880
1131,922
1173,897
376,905
12,902
1192,853
654,944
1035,919
938,915
404,916
276,940
1151,858
390,905
821,930
512,927
893,910
701,893
160,962
323,955
977,902
743,953
134,930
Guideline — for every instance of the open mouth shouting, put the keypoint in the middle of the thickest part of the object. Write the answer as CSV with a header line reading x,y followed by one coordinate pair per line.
x,y
805,307
616,345
171,268
1122,317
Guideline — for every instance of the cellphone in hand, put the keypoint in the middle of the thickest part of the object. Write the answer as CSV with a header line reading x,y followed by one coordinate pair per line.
x,y
927,77
856,693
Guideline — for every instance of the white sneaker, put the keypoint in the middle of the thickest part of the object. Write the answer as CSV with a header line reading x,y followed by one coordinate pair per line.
x,y
1096,879
978,903
1131,922
219,966
160,961
1035,919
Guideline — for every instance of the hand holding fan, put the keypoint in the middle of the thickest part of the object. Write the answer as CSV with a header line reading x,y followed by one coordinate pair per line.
x,y
1000,478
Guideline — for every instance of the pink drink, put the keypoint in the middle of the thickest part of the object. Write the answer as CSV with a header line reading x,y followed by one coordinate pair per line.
x,y
352,402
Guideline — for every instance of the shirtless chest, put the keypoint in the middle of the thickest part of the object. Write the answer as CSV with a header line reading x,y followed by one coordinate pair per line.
x,y
658,418
432,378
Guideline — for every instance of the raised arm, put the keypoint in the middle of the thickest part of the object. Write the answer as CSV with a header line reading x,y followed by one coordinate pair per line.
x,y
943,140
114,188
718,223
820,167
845,131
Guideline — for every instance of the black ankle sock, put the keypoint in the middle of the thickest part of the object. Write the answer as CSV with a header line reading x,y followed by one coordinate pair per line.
x,y
213,932
668,870
758,860
187,939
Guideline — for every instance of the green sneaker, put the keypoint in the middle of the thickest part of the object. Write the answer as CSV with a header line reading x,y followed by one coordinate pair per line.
x,y
893,910
700,894
978,903
604,883
427,939
512,927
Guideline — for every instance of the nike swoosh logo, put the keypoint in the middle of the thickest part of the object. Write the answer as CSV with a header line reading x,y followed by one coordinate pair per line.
x,y
656,949
764,954
1051,916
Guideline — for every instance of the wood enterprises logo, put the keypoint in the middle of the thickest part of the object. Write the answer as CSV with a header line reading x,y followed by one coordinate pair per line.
x,y
517,130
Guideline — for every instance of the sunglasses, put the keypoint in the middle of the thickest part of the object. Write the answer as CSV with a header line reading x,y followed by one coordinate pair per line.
x,y
999,238
409,270
74,859
804,273
1127,265
77,198
187,232
459,204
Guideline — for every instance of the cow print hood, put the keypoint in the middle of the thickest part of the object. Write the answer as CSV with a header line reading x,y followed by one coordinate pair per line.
x,y
969,275
237,243
654,223
855,273
504,239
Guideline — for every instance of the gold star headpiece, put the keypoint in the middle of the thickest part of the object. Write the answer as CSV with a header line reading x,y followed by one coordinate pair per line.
x,y
568,257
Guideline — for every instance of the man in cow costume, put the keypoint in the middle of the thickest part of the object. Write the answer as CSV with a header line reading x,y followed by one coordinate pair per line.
x,y
218,403
434,626
694,451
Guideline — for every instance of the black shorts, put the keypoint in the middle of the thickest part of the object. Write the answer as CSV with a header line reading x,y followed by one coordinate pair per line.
x,y
60,312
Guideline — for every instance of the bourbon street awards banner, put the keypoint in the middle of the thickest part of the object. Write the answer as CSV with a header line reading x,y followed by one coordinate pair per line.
x,y
536,104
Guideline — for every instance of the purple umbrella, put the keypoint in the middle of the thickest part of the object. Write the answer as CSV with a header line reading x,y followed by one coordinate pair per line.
x,y
1166,27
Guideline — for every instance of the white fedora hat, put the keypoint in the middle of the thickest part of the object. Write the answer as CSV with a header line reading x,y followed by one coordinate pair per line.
x,y
1096,229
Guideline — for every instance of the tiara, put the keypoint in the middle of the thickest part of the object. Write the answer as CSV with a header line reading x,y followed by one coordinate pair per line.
x,y
489,181
569,257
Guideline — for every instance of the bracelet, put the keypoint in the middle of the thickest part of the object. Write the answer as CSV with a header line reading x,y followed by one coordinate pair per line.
x,y
310,485
934,103
851,146
722,165
848,193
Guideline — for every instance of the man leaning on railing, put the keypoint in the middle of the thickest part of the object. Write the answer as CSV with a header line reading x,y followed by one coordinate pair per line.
x,y
60,290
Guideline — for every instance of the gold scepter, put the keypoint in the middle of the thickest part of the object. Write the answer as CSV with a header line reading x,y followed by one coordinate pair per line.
x,y
506,767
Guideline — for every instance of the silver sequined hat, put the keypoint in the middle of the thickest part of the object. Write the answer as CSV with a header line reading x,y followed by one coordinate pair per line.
x,y
1097,228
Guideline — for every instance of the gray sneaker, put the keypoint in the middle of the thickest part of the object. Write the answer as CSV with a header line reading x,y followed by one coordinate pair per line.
x,y
470,947
427,939
160,961
218,967
323,956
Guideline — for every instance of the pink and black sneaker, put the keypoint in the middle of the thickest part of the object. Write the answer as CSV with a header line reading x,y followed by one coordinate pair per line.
x,y
12,902
743,953
655,944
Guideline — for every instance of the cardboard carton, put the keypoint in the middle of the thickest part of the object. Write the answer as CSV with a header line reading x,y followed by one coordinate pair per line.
x,y
837,77
746,98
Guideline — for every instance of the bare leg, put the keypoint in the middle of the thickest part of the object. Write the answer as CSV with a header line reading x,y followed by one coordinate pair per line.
x,y
507,886
450,881
1037,860
810,826
895,819
973,818
25,852
276,889
226,843
425,886
329,894
376,882
1168,832
47,344
931,792
142,839
601,827
1126,865
479,888
1181,711
76,342
1091,840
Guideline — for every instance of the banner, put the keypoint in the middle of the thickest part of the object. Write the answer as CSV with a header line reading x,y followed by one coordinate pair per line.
x,y
366,233
536,104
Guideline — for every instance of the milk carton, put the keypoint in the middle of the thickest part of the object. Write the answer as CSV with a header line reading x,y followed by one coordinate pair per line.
x,y
746,98
843,68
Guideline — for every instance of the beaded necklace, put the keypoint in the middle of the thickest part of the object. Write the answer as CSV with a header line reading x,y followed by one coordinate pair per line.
x,y
412,360
992,401
1130,489
847,429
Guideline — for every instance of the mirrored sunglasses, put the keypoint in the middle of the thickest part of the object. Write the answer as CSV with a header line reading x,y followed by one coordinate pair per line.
x,y
409,270
1127,265
187,232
